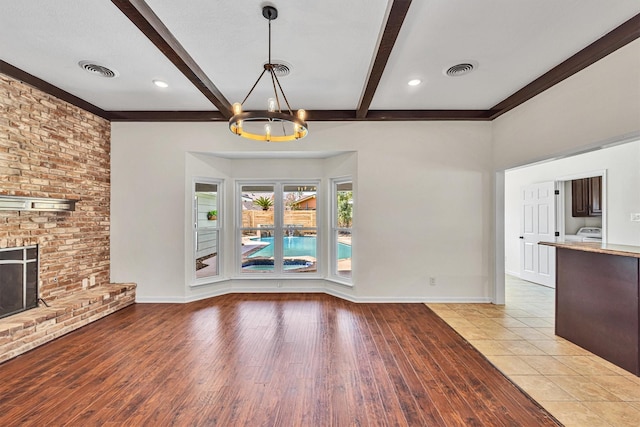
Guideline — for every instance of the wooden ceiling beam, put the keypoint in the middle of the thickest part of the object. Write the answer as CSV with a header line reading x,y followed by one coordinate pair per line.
x,y
167,116
314,115
397,14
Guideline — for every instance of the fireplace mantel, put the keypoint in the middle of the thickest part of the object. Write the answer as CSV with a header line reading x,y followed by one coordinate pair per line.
x,y
16,203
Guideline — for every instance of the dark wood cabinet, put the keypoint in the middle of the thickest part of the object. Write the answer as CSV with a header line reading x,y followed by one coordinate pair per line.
x,y
595,196
586,196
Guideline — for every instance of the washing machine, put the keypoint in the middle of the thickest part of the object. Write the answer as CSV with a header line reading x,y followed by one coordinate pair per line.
x,y
585,234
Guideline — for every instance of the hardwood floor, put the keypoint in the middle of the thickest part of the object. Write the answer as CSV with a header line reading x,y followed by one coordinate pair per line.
x,y
268,360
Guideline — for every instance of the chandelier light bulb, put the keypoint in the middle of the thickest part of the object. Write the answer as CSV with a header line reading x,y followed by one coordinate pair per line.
x,y
267,131
271,105
302,115
237,108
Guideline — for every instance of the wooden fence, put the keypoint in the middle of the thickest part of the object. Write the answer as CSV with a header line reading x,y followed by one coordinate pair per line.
x,y
253,219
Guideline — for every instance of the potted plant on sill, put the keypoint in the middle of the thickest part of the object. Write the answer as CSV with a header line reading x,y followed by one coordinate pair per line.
x,y
212,215
264,202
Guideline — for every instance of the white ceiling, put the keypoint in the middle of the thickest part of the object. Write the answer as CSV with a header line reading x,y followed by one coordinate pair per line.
x,y
330,45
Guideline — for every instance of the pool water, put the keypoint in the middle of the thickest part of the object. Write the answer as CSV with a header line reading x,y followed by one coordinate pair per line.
x,y
297,246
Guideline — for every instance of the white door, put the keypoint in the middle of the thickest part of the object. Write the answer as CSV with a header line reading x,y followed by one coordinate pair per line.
x,y
538,224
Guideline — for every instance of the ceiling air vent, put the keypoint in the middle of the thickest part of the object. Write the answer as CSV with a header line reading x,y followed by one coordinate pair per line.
x,y
281,68
100,70
460,69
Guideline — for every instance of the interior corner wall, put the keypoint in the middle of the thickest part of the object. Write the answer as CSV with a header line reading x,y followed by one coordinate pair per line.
x,y
424,203
595,107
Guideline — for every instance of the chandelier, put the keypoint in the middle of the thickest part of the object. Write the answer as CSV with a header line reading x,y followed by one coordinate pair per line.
x,y
272,125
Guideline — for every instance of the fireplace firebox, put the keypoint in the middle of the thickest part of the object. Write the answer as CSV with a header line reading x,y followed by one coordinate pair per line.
x,y
18,279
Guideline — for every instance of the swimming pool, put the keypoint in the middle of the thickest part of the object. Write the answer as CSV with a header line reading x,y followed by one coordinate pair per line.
x,y
297,246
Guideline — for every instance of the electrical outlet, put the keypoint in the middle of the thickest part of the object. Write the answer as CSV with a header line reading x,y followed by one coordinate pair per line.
x,y
85,283
635,217
432,281
92,281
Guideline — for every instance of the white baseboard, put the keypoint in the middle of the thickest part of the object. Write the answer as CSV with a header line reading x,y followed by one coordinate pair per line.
x,y
315,290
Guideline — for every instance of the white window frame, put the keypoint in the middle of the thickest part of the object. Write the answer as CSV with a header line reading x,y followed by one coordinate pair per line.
x,y
219,228
278,230
334,230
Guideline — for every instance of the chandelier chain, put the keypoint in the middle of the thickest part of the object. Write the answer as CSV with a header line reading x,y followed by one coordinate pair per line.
x,y
253,87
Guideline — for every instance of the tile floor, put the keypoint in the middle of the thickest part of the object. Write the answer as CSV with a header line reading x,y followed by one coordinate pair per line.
x,y
577,387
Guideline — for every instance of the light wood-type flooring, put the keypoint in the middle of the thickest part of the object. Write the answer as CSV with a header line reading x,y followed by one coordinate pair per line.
x,y
263,360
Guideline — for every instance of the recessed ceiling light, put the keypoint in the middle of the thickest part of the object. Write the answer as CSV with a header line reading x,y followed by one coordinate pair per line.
x,y
414,82
160,83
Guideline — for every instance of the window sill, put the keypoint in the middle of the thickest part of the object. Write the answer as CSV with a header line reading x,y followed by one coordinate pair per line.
x,y
274,277
212,281
339,281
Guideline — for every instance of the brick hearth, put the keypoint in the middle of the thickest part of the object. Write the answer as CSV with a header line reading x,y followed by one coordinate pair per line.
x,y
24,331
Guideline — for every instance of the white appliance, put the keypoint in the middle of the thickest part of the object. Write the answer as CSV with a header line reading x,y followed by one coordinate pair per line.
x,y
585,234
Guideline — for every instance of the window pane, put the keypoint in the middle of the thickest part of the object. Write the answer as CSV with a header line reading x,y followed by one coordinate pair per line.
x,y
257,251
207,253
257,206
343,253
300,251
344,205
299,205
206,230
281,239
207,204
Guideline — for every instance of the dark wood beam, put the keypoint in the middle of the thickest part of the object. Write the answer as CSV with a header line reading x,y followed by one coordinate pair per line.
x,y
425,115
18,74
167,116
395,20
609,43
141,15
312,115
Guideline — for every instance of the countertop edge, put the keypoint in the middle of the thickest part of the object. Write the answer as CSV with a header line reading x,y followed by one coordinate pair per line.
x,y
608,249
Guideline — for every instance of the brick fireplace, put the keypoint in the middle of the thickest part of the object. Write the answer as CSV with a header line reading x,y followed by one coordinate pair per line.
x,y
18,279
52,149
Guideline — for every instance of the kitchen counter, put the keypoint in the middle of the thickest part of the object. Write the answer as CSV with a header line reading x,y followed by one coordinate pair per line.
x,y
601,248
597,299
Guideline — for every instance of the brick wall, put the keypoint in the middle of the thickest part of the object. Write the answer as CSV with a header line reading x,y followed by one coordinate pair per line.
x,y
49,148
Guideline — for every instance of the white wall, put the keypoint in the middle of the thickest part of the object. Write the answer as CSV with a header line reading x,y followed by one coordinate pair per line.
x,y
596,107
622,165
426,198
423,203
